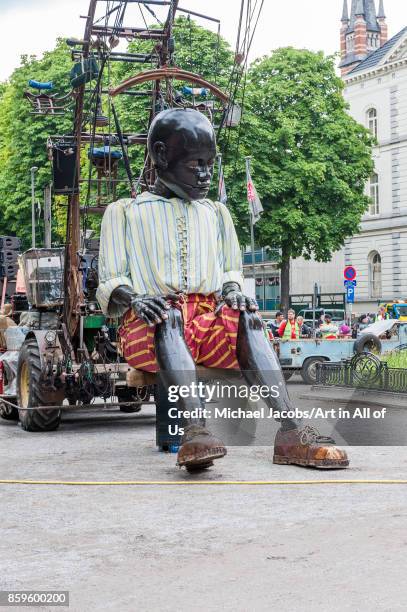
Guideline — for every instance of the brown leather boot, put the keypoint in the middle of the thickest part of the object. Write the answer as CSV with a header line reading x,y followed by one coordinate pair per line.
x,y
308,448
199,448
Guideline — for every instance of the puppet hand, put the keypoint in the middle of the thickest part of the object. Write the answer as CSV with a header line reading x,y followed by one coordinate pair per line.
x,y
233,297
122,296
152,309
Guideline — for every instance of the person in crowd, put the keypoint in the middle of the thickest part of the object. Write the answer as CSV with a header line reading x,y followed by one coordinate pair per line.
x,y
344,331
305,330
328,329
321,319
289,329
382,315
274,325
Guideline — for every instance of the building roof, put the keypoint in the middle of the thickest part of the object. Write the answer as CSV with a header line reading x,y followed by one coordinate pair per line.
x,y
368,10
381,14
345,14
376,57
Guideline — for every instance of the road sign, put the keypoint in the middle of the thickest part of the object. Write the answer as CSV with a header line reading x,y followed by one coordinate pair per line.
x,y
350,294
350,283
349,273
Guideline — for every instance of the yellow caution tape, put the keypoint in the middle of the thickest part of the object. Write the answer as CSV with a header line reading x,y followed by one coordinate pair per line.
x,y
104,483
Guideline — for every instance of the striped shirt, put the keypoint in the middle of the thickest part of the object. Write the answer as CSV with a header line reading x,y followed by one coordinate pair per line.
x,y
156,246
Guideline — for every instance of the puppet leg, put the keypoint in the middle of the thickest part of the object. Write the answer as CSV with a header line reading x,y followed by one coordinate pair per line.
x,y
176,367
260,366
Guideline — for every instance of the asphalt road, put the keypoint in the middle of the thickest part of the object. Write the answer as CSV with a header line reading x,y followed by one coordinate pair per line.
x,y
175,548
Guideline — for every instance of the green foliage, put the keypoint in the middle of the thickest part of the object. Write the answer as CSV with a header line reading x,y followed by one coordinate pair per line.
x,y
24,137
310,158
395,359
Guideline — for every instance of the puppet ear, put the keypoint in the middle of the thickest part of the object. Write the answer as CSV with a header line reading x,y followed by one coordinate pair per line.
x,y
160,155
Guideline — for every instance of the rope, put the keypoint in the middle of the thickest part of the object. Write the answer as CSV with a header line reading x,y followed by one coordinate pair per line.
x,y
216,71
124,152
144,19
150,10
165,483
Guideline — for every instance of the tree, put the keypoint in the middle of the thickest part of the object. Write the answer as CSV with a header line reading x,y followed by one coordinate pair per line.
x,y
310,158
23,137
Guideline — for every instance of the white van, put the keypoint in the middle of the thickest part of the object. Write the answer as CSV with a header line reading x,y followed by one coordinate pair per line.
x,y
337,314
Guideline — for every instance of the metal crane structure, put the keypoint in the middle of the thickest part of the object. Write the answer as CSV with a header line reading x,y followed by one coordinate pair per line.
x,y
75,359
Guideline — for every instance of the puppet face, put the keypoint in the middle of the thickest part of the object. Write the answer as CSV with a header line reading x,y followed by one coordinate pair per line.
x,y
182,145
189,176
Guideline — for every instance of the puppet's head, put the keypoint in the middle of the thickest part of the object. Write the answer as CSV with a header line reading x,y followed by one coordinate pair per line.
x,y
182,146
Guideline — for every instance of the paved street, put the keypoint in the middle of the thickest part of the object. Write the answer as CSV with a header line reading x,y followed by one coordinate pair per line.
x,y
309,547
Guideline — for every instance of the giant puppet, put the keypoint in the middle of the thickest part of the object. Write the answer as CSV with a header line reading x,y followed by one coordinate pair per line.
x,y
170,264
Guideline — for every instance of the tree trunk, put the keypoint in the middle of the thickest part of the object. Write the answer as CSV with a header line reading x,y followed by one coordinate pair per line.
x,y
285,281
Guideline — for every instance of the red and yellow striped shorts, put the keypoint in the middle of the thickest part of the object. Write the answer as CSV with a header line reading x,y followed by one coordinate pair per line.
x,y
210,337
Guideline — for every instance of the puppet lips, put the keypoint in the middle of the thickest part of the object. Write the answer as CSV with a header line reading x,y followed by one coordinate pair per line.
x,y
199,187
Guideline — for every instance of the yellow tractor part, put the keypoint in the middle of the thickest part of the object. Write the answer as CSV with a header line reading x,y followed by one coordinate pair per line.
x,y
401,308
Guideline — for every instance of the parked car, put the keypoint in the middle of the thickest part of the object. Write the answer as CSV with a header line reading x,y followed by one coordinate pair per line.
x,y
337,314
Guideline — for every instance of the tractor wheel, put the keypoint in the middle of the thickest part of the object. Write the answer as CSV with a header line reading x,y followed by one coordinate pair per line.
x,y
8,413
30,393
288,374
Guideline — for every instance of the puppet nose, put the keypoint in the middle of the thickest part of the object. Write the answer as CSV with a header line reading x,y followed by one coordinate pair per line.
x,y
204,175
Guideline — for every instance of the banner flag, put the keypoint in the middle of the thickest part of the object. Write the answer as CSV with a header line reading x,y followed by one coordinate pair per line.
x,y
255,204
222,195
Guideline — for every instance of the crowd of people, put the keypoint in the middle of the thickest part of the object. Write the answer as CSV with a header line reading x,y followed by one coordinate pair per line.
x,y
294,327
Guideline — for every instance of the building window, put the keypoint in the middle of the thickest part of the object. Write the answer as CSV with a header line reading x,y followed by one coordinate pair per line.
x,y
372,121
372,42
375,275
267,290
374,194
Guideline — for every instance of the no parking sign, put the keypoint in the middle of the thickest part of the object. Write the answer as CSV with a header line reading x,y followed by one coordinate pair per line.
x,y
349,273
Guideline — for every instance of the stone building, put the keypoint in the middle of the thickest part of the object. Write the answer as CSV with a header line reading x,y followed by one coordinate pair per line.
x,y
374,70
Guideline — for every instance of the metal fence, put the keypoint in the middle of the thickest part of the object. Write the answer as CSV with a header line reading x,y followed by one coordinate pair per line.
x,y
363,371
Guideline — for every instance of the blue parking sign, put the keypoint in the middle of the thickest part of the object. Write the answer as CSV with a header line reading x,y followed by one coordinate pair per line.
x,y
350,294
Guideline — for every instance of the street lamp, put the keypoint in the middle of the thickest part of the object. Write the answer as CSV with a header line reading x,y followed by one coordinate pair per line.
x,y
33,171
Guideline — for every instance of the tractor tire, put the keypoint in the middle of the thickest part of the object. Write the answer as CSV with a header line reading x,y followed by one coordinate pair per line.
x,y
288,374
308,371
30,393
8,413
367,343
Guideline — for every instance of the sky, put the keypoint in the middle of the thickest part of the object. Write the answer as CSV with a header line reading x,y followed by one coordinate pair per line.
x,y
32,26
